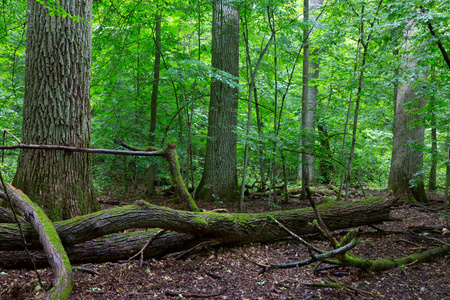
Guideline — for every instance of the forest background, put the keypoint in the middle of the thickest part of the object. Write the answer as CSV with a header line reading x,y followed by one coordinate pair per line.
x,y
362,54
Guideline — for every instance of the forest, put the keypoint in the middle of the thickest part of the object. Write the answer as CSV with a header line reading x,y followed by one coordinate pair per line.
x,y
224,149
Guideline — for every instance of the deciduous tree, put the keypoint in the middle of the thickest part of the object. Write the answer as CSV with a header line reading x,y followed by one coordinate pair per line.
x,y
56,110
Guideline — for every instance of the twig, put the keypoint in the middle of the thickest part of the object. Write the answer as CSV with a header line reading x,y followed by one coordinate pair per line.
x,y
84,270
141,252
203,244
435,239
85,150
339,285
12,135
322,226
311,247
319,257
183,295
409,242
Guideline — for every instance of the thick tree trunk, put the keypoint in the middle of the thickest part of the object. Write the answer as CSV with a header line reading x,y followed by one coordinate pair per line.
x,y
56,110
114,247
408,139
227,229
219,178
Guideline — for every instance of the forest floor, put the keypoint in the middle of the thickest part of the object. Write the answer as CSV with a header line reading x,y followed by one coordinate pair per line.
x,y
223,273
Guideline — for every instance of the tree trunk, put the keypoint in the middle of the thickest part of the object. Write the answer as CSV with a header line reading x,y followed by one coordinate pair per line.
x,y
56,111
309,98
225,229
432,178
151,173
307,114
408,139
49,239
219,178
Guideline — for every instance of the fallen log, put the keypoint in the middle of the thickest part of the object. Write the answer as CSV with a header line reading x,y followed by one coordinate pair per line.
x,y
55,253
229,229
114,247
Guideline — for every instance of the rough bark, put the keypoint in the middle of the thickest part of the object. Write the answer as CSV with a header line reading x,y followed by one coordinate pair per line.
x,y
408,139
219,179
114,247
230,229
56,110
49,239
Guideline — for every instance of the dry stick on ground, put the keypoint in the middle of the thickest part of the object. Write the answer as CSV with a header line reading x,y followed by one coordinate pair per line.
x,y
305,243
141,252
339,285
182,295
319,257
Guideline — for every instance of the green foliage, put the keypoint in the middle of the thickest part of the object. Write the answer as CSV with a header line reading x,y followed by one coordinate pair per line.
x,y
122,81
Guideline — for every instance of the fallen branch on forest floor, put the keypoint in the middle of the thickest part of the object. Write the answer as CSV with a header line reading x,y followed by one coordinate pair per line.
x,y
346,259
220,228
57,256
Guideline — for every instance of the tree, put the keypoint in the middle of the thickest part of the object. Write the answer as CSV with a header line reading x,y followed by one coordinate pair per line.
x,y
408,138
309,98
219,179
57,111
154,102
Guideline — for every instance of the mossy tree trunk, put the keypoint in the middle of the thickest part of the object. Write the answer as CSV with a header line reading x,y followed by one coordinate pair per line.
x,y
225,229
56,110
49,239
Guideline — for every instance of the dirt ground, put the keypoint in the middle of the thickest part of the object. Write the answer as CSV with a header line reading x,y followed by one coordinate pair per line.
x,y
223,273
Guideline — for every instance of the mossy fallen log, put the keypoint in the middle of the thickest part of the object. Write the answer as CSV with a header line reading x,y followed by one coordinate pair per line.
x,y
49,239
114,247
231,229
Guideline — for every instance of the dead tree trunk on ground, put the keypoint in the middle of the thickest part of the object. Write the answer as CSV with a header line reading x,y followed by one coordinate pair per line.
x,y
56,255
225,229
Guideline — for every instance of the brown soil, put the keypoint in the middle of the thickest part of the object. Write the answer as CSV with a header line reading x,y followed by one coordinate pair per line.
x,y
222,273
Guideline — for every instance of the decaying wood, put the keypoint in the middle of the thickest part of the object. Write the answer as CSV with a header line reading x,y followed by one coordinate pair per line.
x,y
55,253
114,247
190,229
226,228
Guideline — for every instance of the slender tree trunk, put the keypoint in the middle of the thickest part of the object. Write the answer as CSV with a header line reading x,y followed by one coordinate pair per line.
x,y
56,110
447,177
251,78
151,173
307,115
219,178
434,150
262,169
